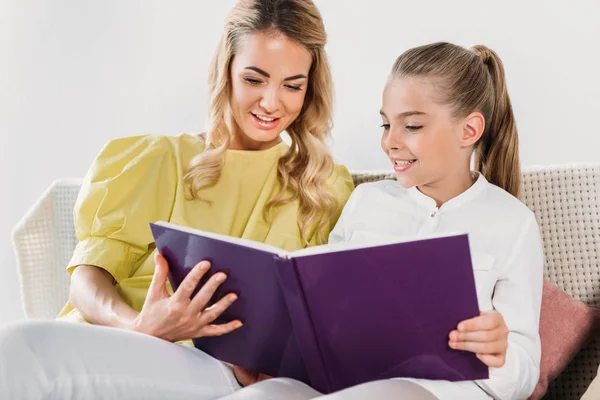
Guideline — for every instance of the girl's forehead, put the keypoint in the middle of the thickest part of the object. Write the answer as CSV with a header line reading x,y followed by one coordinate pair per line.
x,y
405,91
407,96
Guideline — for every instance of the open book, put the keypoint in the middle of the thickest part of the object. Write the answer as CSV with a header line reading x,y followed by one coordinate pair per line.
x,y
337,315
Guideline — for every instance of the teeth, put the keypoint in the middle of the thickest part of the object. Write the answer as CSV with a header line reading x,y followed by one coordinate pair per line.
x,y
264,118
401,163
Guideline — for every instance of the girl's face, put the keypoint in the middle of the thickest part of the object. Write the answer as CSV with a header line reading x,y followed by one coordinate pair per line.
x,y
428,146
269,78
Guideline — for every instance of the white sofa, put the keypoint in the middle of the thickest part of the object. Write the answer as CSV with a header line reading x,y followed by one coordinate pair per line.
x,y
565,199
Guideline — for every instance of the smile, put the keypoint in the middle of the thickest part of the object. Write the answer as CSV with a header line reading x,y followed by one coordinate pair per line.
x,y
264,122
403,165
266,119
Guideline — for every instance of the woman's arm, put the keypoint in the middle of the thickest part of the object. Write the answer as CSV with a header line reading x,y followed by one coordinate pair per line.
x,y
173,318
93,293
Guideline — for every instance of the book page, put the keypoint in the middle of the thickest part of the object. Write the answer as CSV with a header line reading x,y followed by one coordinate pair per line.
x,y
229,239
380,241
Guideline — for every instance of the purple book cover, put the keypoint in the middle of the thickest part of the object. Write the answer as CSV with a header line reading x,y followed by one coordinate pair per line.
x,y
266,342
335,318
386,311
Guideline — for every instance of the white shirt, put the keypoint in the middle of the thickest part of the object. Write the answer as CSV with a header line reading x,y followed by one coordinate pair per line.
x,y
507,256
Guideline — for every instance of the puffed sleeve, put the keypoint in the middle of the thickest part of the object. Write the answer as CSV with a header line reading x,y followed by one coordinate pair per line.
x,y
132,182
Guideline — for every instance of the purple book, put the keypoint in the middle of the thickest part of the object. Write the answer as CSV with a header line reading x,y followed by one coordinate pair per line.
x,y
339,315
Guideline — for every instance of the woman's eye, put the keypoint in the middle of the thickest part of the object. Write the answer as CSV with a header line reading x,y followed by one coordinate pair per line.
x,y
386,127
295,88
413,128
252,81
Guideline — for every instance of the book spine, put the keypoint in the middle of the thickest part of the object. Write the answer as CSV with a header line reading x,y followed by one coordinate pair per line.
x,y
291,287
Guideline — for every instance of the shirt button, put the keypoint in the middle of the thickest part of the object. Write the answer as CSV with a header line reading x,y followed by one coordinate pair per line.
x,y
433,214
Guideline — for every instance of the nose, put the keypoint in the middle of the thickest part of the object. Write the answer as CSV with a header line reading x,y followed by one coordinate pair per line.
x,y
270,100
392,140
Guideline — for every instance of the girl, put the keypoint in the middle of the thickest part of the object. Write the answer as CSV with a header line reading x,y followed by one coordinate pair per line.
x,y
442,104
269,74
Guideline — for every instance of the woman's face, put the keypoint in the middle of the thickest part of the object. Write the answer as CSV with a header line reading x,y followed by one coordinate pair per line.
x,y
269,78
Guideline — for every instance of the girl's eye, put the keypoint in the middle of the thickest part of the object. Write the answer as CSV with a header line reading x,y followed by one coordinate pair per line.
x,y
252,81
413,128
386,127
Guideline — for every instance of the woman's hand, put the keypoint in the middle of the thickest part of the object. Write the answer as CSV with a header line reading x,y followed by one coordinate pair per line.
x,y
486,336
247,377
180,317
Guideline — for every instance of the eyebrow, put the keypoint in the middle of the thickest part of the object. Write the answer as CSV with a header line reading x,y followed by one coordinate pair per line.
x,y
405,114
266,75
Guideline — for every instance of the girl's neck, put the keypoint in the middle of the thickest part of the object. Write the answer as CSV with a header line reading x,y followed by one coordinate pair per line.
x,y
448,187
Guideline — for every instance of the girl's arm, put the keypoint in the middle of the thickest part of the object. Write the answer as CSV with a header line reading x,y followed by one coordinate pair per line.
x,y
517,298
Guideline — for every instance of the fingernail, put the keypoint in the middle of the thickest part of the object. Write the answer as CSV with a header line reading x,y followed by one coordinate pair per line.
x,y
220,277
204,265
233,298
238,324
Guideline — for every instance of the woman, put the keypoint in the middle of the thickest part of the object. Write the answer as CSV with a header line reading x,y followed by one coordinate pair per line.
x,y
269,75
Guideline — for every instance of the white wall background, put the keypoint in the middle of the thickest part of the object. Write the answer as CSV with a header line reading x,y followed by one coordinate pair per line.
x,y
74,74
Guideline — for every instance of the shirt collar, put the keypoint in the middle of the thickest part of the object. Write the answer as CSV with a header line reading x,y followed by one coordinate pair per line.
x,y
476,188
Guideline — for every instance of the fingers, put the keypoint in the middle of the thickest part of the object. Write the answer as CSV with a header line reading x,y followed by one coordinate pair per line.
x,y
190,282
158,289
207,291
492,360
212,313
245,376
218,330
486,336
485,322
477,336
496,347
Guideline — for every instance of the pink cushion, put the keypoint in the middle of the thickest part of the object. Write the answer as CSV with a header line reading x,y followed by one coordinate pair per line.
x,y
565,325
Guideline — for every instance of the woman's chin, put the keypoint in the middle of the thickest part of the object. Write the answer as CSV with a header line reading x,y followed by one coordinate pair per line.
x,y
260,140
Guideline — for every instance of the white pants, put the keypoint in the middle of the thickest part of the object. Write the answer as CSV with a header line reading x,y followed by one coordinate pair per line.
x,y
62,360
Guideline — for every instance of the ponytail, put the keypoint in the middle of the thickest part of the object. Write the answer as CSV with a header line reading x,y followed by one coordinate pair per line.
x,y
497,153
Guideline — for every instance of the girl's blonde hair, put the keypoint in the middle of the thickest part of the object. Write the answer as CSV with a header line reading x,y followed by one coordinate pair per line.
x,y
473,80
305,168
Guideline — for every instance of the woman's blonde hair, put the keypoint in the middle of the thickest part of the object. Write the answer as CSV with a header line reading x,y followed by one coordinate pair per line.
x,y
305,168
473,80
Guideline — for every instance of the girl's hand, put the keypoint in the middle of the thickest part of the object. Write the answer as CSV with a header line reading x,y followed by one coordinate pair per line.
x,y
180,317
486,336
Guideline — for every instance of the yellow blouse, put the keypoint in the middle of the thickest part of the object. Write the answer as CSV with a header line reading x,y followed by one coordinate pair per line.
x,y
138,180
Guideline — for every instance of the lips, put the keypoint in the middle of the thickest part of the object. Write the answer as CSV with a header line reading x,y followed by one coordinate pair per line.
x,y
264,118
403,165
404,162
265,122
